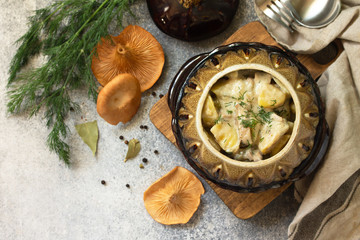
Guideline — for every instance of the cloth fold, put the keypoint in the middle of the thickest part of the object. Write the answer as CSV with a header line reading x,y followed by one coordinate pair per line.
x,y
336,181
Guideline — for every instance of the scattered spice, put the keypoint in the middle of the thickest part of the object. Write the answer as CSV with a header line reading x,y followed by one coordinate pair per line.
x,y
126,142
121,137
103,182
144,127
141,166
174,198
127,185
154,94
72,109
156,152
161,95
133,149
89,133
144,160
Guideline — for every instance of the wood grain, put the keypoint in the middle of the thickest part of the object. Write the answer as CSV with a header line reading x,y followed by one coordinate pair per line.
x,y
243,205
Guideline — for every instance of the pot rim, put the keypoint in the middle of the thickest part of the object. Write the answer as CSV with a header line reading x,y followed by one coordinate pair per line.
x,y
283,81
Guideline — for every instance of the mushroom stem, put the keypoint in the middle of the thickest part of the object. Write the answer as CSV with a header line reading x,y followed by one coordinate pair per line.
x,y
174,199
120,49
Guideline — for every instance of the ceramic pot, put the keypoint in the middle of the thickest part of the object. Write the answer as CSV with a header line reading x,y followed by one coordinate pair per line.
x,y
309,138
204,20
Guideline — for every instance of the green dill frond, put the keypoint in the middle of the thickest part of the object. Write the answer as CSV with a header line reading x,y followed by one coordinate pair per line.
x,y
66,33
249,123
264,115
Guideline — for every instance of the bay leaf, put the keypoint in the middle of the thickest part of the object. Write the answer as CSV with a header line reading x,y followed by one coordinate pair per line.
x,y
133,149
89,133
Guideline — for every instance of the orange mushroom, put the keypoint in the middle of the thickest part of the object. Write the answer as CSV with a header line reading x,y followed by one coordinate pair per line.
x,y
133,51
174,198
120,99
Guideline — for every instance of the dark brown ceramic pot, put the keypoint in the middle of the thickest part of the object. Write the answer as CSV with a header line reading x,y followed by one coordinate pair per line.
x,y
182,20
309,138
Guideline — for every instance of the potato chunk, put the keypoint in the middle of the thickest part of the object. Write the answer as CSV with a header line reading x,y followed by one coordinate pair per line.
x,y
234,88
260,79
280,144
271,96
271,133
209,112
226,136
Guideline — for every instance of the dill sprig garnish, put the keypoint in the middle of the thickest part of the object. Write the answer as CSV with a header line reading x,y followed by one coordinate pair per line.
x,y
66,33
264,115
219,119
251,119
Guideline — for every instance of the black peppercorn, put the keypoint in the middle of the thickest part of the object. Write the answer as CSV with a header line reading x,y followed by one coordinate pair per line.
x,y
144,160
160,96
103,182
126,142
121,138
154,94
127,185
156,152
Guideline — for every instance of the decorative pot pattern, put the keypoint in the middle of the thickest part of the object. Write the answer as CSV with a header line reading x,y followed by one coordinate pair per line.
x,y
309,138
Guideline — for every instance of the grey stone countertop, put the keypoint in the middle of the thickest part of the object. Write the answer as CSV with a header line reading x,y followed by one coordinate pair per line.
x,y
41,198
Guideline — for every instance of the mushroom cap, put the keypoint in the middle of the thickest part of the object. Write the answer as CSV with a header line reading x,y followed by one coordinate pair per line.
x,y
133,51
120,99
174,198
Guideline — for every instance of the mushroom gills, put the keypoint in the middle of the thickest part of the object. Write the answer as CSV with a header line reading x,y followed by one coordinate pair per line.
x,y
174,198
134,51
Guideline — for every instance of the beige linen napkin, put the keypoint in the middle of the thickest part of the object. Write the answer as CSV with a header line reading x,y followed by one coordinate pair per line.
x,y
330,207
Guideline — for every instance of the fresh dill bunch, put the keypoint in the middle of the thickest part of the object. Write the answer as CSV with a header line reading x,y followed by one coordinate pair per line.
x,y
66,33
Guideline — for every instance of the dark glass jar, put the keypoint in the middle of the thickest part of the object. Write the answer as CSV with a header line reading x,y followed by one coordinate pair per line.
x,y
197,22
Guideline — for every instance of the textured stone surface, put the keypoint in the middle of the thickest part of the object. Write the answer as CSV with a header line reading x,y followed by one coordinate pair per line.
x,y
41,198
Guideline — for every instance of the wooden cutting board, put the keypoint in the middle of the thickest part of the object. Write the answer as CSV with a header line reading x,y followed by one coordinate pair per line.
x,y
243,205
